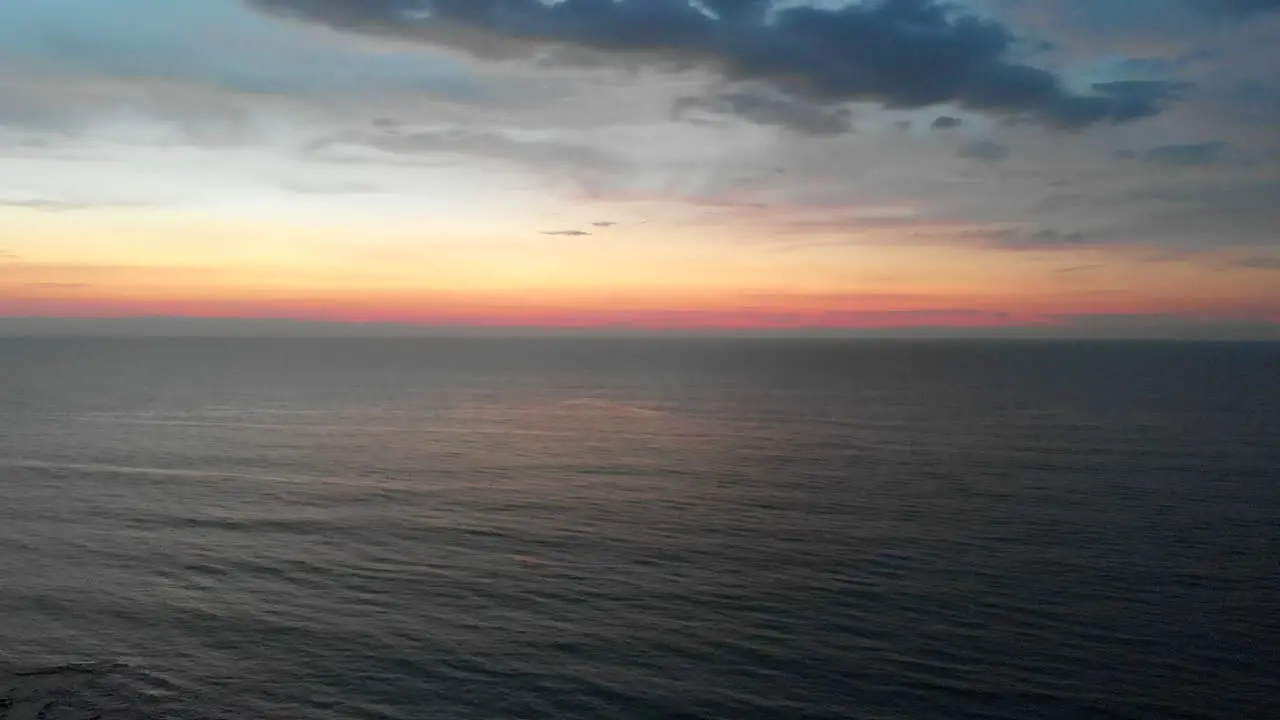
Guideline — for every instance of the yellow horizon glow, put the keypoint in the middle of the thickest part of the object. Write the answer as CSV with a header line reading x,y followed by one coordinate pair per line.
x,y
151,261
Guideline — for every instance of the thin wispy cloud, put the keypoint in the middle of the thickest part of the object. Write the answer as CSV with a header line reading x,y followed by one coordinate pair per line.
x,y
58,206
1258,263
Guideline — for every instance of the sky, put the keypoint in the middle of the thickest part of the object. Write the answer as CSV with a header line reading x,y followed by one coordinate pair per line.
x,y
1047,167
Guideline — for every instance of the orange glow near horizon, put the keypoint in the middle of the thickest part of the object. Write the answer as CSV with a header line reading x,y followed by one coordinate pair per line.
x,y
144,262
535,308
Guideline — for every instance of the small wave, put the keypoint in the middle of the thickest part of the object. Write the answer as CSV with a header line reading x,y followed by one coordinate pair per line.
x,y
323,428
88,668
614,406
136,470
66,691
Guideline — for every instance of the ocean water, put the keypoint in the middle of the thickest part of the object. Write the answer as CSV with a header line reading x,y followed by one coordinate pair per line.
x,y
638,529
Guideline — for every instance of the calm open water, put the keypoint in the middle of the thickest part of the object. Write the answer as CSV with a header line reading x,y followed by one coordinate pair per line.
x,y
638,529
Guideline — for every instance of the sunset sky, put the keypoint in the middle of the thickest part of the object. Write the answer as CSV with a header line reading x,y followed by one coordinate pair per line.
x,y
1073,166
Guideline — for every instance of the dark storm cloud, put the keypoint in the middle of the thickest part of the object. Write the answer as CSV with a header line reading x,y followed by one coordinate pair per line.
x,y
900,53
946,122
1188,155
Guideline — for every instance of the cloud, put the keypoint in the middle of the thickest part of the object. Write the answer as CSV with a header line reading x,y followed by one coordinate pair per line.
x,y
1238,8
542,154
566,233
48,111
1245,99
795,114
1238,213
946,122
1016,238
45,205
898,53
915,318
1070,22
1134,98
604,224
1061,201
330,188
59,285
1188,155
1258,263
1050,238
984,151
1078,268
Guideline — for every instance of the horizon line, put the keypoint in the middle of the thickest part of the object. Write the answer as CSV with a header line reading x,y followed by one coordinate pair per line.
x,y
1122,327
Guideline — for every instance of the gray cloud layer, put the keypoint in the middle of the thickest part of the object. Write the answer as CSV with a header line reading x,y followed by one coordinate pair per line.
x,y
984,151
900,53
426,143
1187,155
764,109
1240,8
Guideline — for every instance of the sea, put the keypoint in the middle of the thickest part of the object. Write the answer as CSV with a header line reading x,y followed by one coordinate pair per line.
x,y
638,528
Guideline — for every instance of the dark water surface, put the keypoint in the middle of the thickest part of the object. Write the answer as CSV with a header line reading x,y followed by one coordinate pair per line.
x,y
638,529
